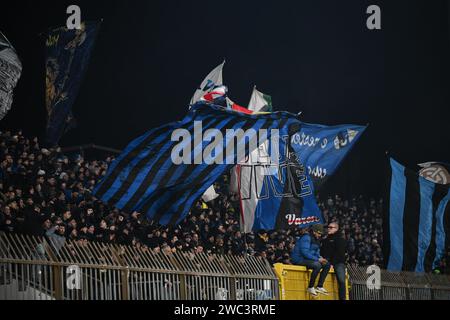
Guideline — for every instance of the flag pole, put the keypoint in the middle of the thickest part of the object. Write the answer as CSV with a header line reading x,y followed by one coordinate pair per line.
x,y
245,246
7,40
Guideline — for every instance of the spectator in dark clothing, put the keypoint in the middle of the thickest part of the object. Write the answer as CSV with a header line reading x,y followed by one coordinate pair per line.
x,y
91,232
307,253
152,241
125,237
333,249
7,221
210,246
89,217
33,221
83,232
102,233
261,241
195,240
219,246
237,244
280,252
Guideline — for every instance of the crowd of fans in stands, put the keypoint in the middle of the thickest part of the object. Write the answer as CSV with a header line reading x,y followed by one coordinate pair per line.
x,y
46,193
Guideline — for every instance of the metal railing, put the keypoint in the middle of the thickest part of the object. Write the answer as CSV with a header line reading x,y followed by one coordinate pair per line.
x,y
35,268
399,286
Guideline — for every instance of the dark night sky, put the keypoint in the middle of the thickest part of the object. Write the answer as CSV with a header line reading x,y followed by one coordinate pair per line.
x,y
312,56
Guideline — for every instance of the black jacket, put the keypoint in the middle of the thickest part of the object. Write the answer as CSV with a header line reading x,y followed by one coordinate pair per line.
x,y
333,248
33,223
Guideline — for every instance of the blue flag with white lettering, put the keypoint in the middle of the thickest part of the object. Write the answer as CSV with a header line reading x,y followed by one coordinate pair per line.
x,y
321,149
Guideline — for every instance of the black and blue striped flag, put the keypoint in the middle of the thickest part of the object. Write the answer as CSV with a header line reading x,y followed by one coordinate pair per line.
x,y
417,228
145,178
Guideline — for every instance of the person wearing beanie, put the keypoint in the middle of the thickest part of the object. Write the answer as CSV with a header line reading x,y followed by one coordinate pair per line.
x,y
307,253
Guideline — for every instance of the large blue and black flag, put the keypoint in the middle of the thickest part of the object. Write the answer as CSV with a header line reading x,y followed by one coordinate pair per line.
x,y
277,196
146,179
323,148
286,197
67,56
417,225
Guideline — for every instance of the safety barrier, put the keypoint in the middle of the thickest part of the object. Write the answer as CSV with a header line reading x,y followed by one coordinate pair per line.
x,y
398,286
36,269
294,281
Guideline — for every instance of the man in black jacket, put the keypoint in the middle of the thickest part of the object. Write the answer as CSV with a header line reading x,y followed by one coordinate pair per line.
x,y
33,221
333,249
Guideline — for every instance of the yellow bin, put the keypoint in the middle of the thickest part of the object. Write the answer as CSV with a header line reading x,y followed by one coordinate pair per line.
x,y
294,280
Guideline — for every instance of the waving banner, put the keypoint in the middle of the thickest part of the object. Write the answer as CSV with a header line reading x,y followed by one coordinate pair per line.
x,y
68,54
152,177
323,148
212,80
417,225
277,196
437,172
10,72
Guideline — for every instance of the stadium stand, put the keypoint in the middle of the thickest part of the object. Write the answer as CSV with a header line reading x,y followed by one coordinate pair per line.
x,y
47,194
